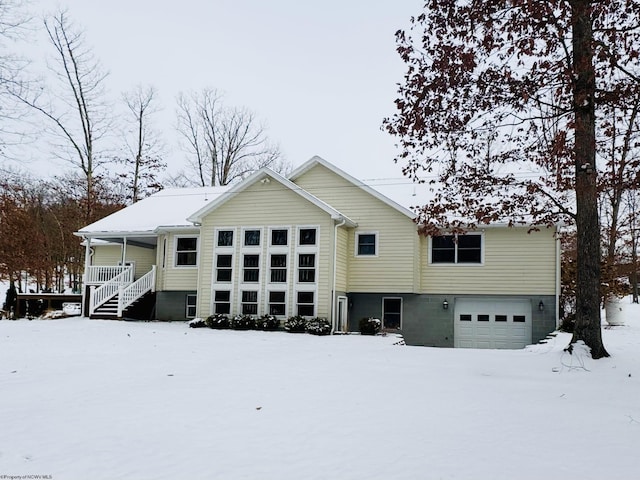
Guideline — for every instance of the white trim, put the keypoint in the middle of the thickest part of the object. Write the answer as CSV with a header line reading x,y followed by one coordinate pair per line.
x,y
266,303
257,302
376,245
187,305
243,231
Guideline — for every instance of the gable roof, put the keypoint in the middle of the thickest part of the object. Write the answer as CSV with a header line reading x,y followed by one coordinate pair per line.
x,y
316,160
167,208
260,175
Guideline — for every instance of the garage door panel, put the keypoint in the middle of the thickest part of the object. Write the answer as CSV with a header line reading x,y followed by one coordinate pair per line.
x,y
492,323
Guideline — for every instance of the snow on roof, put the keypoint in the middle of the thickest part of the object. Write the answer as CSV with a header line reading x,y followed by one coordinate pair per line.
x,y
167,208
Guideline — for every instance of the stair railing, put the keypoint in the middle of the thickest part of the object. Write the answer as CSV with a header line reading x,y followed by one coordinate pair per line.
x,y
108,290
132,292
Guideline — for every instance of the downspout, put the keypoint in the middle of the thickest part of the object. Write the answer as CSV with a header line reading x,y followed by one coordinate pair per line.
x,y
558,278
335,261
87,264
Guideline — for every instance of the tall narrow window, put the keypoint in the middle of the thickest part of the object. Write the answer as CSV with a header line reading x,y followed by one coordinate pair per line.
x,y
278,268
223,268
392,313
222,301
305,304
191,305
277,304
251,268
186,251
249,302
307,268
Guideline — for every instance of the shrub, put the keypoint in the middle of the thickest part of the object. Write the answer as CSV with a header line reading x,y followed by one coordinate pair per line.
x,y
370,326
267,322
296,324
218,321
198,323
243,322
319,326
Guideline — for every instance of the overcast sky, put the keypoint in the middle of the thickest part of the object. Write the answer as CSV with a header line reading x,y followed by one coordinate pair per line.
x,y
321,75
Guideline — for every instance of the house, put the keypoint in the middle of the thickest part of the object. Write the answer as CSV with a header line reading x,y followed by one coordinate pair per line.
x,y
321,243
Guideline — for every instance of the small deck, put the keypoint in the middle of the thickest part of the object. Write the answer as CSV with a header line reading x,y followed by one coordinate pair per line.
x,y
36,303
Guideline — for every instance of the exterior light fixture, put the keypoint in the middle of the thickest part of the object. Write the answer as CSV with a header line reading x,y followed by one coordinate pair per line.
x,y
541,306
445,305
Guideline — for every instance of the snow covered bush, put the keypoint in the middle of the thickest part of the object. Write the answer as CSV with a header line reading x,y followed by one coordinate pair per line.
x,y
243,322
218,321
319,326
197,323
370,326
267,322
296,324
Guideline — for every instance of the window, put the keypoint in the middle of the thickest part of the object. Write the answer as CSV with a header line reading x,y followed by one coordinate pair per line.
x,y
277,303
191,305
223,268
501,318
519,318
307,268
251,271
391,313
279,237
307,236
483,318
456,249
278,268
251,238
366,244
222,301
186,251
304,304
250,302
464,317
225,238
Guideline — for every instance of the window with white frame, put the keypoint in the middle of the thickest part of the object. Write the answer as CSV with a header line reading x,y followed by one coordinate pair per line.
x,y
224,267
456,249
277,303
186,251
279,237
222,301
251,270
305,304
249,302
392,313
307,236
278,271
191,305
225,238
252,238
366,244
306,268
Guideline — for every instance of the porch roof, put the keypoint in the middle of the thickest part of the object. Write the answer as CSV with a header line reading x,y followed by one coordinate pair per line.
x,y
166,209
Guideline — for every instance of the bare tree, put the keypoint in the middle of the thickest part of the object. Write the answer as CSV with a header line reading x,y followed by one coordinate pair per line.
x,y
144,150
224,143
76,107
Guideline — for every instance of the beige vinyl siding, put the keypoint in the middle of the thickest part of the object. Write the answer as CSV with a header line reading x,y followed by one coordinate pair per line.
x,y
106,255
180,278
515,262
396,264
111,255
342,260
260,206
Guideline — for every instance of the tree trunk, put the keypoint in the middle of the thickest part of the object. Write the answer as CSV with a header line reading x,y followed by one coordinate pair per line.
x,y
588,325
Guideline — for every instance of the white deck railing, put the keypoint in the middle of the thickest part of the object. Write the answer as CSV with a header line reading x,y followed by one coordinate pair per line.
x,y
97,275
108,290
130,293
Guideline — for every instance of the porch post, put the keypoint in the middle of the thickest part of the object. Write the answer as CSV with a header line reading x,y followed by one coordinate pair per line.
x,y
87,264
124,251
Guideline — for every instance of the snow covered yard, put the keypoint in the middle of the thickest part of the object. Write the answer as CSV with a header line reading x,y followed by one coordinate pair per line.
x,y
83,399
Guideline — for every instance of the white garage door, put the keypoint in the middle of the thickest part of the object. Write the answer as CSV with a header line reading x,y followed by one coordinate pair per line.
x,y
499,323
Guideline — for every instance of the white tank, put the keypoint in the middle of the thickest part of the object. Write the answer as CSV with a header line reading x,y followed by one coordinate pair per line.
x,y
614,311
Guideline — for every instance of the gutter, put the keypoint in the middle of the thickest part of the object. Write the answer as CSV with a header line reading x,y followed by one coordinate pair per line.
x,y
335,261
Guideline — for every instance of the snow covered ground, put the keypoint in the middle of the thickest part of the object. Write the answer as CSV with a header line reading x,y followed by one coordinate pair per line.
x,y
84,400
